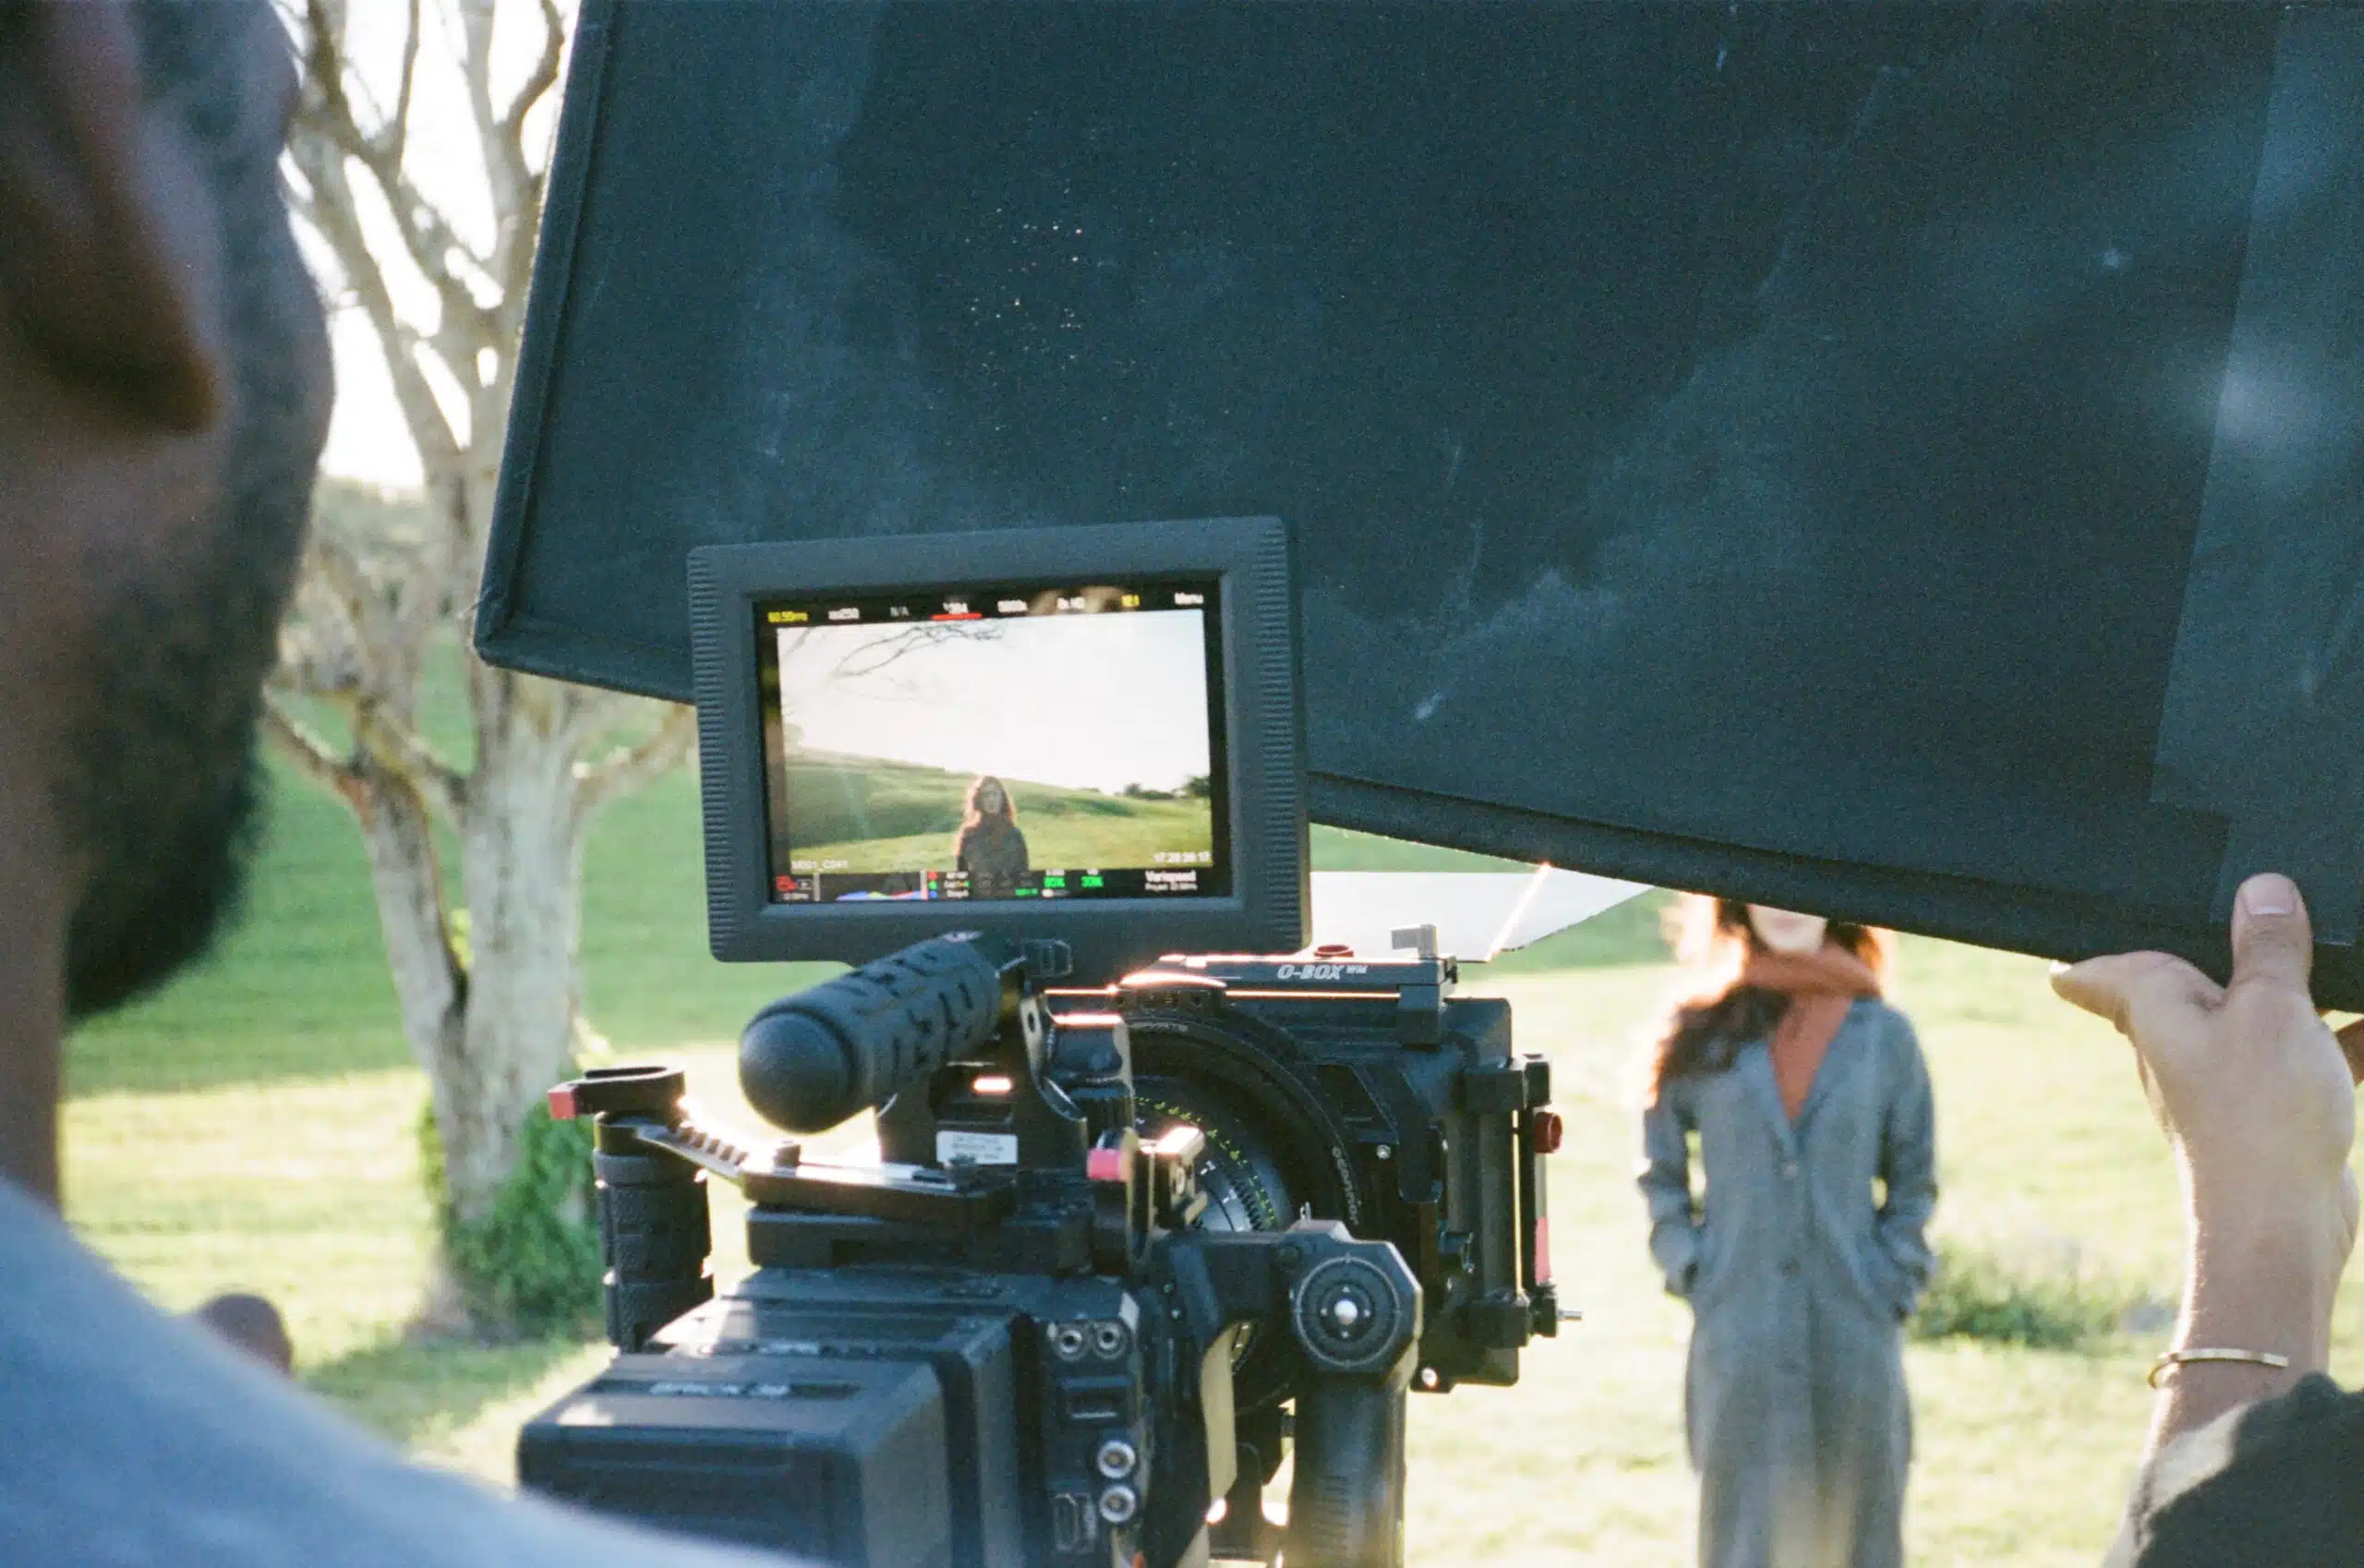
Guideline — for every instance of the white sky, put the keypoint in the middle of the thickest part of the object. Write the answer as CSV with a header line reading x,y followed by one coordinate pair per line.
x,y
1085,701
366,437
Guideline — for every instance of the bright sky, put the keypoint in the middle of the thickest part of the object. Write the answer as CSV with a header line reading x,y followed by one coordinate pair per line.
x,y
367,437
1085,701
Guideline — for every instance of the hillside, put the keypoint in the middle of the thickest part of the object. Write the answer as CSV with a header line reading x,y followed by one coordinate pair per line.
x,y
880,816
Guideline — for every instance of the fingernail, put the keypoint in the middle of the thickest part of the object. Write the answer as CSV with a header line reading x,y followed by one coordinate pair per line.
x,y
2269,893
2059,967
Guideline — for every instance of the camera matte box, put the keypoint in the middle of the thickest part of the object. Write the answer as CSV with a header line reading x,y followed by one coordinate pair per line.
x,y
1903,461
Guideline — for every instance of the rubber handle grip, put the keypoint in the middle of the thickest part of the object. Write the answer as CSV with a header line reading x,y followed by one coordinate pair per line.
x,y
807,1061
1347,1501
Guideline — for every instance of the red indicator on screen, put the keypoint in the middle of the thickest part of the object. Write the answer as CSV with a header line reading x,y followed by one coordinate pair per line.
x,y
969,615
784,884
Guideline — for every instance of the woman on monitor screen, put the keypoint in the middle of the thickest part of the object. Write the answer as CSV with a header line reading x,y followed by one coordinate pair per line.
x,y
990,848
1803,1089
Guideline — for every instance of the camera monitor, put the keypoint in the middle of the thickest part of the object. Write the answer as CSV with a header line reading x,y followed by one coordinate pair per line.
x,y
1082,733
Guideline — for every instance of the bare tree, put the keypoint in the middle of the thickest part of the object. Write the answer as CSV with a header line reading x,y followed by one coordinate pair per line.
x,y
875,651
491,1005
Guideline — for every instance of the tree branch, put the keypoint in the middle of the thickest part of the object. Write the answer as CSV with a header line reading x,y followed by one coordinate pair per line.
x,y
475,70
538,82
327,113
310,751
628,768
334,220
397,130
592,714
398,748
892,647
516,188
340,570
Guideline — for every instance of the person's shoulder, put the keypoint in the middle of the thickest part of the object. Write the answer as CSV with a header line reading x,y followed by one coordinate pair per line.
x,y
1888,1028
1879,1014
152,1441
2271,1482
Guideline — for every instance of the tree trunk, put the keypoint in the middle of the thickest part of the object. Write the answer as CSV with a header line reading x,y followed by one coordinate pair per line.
x,y
522,870
493,1019
492,1015
430,984
431,987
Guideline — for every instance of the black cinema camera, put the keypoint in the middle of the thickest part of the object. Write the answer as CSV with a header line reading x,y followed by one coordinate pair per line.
x,y
1138,1224
1067,1357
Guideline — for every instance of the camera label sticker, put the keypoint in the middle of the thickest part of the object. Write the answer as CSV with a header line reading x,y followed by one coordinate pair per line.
x,y
977,1148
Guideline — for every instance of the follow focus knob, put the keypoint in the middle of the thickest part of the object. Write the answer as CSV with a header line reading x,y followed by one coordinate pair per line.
x,y
1350,1316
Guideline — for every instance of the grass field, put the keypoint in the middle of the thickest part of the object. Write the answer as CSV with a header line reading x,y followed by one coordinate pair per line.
x,y
252,1127
862,815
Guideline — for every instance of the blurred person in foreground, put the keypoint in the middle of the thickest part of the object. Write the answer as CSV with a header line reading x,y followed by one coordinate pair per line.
x,y
1804,1089
164,396
2254,1457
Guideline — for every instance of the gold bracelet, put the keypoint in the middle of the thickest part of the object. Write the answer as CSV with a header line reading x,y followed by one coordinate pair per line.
x,y
2182,1358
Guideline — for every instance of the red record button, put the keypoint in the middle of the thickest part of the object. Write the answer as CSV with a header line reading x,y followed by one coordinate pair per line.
x,y
1104,1164
562,1103
1548,1130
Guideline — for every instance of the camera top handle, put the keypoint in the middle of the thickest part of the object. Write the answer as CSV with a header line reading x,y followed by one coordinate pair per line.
x,y
809,1061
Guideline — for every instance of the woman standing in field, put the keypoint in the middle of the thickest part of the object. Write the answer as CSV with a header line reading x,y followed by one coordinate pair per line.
x,y
1804,1089
990,848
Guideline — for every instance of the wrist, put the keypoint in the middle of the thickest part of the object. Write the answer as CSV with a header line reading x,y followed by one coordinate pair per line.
x,y
2264,1289
2283,1229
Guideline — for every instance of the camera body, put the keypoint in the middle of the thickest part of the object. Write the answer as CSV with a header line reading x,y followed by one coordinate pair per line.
x,y
1123,1245
1361,1089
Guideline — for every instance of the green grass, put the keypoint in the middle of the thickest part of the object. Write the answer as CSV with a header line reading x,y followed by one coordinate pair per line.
x,y
867,815
251,1127
2055,1303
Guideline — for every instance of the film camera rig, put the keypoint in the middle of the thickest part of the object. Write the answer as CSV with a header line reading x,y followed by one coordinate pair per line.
x,y
1123,1245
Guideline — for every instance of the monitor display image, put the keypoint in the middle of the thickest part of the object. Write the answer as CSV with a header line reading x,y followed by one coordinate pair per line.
x,y
998,742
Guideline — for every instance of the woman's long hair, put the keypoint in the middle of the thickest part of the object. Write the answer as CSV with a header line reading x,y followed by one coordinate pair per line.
x,y
972,814
1720,1015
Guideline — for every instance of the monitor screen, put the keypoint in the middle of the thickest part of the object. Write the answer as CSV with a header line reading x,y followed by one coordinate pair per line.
x,y
999,742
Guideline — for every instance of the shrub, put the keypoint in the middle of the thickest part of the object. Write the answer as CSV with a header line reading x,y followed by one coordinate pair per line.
x,y
1977,1294
530,1264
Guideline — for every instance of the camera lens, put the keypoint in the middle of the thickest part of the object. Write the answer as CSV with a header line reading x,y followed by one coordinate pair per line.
x,y
1274,1151
1240,1172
